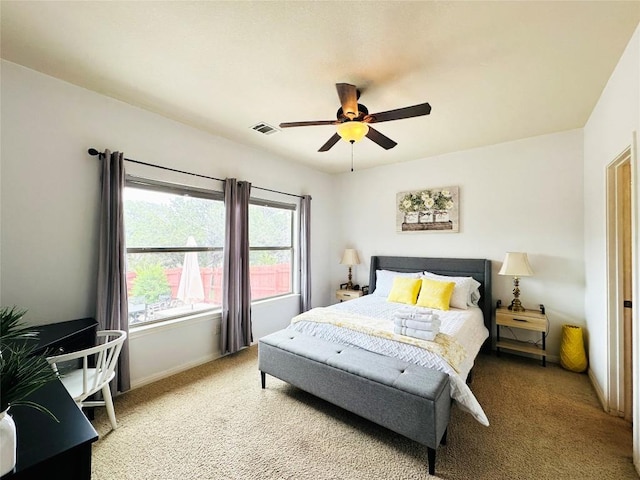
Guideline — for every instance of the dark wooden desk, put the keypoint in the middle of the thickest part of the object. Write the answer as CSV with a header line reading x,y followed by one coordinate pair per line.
x,y
63,337
47,449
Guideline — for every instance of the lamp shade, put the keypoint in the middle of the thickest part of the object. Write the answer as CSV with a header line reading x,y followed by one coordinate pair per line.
x,y
350,257
352,131
516,264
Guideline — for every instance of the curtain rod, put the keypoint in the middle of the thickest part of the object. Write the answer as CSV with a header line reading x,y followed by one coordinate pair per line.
x,y
93,152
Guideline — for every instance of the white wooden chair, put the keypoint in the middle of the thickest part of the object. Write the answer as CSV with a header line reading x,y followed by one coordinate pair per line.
x,y
92,376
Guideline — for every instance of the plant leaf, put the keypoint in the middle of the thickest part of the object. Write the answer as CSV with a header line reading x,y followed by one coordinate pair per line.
x,y
40,408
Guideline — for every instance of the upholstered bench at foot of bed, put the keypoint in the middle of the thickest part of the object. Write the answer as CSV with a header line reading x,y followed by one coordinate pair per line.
x,y
411,400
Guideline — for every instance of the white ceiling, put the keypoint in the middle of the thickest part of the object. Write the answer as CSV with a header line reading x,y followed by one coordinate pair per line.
x,y
492,71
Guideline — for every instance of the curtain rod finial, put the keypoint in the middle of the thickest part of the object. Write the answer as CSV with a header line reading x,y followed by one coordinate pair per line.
x,y
93,152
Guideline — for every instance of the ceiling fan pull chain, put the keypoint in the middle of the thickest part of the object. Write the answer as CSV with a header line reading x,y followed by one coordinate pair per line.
x,y
352,156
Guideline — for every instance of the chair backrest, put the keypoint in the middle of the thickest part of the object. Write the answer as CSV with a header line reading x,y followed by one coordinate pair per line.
x,y
106,358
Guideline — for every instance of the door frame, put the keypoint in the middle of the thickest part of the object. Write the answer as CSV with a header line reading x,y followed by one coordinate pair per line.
x,y
615,315
615,308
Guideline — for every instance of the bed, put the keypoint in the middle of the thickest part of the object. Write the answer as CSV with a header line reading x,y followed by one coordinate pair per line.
x,y
330,346
479,269
471,327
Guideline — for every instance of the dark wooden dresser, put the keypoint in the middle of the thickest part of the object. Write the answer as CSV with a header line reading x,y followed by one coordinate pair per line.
x,y
47,449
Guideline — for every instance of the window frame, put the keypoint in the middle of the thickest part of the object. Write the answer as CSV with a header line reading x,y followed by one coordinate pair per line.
x,y
186,190
293,208
181,190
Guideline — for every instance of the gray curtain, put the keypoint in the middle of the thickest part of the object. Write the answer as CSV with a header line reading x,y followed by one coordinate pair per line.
x,y
235,330
111,308
305,253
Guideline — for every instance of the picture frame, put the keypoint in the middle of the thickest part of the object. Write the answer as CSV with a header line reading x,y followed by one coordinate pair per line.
x,y
428,210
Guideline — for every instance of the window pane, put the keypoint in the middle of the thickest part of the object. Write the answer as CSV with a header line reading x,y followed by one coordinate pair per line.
x,y
158,219
270,273
165,285
172,284
269,226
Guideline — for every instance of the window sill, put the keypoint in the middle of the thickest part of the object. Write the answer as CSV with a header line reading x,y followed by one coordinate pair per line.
x,y
274,299
142,330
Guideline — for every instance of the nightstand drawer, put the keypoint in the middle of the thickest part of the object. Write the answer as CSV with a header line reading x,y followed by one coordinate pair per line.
x,y
528,320
344,295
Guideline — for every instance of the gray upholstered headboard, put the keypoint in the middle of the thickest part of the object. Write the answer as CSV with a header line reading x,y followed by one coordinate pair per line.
x,y
478,268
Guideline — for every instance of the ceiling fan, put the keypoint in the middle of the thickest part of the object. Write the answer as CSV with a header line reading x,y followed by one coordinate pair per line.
x,y
353,119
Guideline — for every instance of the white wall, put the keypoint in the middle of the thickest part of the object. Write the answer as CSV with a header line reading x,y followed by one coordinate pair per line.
x,y
49,206
607,134
518,196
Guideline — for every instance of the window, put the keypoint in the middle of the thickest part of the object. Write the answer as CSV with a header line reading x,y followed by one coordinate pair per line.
x,y
271,248
174,238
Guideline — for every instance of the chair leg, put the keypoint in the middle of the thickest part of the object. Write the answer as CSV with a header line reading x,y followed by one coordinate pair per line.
x,y
108,402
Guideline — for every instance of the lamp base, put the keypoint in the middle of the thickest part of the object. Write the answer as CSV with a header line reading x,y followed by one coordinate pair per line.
x,y
516,306
349,285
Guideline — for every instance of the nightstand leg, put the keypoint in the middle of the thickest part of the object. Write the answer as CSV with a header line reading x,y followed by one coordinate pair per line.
x,y
497,340
544,348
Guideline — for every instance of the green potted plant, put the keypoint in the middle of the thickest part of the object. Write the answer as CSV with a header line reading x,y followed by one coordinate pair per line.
x,y
22,372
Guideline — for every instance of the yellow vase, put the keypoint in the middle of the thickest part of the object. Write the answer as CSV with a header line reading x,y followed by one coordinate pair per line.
x,y
572,354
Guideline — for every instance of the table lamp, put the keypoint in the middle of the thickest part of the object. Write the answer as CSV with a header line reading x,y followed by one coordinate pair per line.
x,y
517,265
350,257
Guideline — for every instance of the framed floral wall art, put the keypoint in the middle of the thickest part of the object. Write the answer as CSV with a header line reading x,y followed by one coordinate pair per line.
x,y
428,210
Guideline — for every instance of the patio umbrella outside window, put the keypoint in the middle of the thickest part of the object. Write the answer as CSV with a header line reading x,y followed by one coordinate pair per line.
x,y
190,289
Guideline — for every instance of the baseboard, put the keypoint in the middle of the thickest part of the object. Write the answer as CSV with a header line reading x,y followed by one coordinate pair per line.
x,y
599,392
178,369
553,359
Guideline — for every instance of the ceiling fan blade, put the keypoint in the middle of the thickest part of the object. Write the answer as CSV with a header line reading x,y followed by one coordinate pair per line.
x,y
330,143
348,95
382,140
307,124
400,113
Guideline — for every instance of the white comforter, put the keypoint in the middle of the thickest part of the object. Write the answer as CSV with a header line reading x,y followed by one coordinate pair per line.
x,y
466,326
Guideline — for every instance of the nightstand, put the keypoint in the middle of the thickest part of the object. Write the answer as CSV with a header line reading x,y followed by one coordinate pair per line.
x,y
533,320
344,295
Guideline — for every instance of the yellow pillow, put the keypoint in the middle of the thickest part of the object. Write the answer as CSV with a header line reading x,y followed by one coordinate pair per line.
x,y
435,294
404,290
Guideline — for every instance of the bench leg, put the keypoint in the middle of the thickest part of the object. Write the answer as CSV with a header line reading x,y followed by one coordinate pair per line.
x,y
431,456
263,377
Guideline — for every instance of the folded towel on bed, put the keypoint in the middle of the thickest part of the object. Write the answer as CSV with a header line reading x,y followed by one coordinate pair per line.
x,y
413,309
420,315
417,324
412,332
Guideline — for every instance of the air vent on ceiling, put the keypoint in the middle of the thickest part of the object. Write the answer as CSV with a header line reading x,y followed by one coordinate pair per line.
x,y
264,128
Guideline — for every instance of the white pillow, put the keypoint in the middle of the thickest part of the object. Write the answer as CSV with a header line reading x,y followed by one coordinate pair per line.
x,y
466,292
384,281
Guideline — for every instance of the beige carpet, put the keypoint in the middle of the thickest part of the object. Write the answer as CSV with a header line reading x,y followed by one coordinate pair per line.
x,y
215,422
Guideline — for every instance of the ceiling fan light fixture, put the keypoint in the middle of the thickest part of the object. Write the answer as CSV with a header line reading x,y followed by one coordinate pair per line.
x,y
352,131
